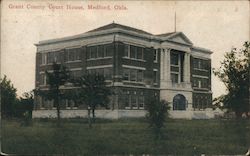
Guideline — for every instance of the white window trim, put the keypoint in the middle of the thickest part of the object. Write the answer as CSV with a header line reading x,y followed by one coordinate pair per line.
x,y
199,76
173,72
206,89
102,66
133,67
75,61
175,65
125,57
75,69
135,82
99,58
201,69
199,83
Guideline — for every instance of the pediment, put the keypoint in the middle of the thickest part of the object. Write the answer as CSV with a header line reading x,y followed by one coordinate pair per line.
x,y
180,38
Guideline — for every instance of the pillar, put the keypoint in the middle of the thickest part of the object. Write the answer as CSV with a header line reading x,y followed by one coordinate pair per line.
x,y
187,68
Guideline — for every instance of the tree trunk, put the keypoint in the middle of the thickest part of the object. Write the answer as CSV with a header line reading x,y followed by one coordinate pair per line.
x,y
89,119
93,114
58,111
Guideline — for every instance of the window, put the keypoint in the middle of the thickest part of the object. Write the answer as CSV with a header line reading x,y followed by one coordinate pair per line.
x,y
73,54
195,82
174,58
140,76
126,101
126,74
126,51
100,52
76,74
139,53
93,52
204,83
69,103
53,57
195,63
141,102
43,79
109,50
133,102
200,64
174,78
132,52
92,71
100,71
201,82
133,99
155,76
44,58
57,57
108,73
155,55
50,57
133,75
52,102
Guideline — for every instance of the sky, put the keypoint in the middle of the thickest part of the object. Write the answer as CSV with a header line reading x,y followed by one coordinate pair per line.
x,y
215,25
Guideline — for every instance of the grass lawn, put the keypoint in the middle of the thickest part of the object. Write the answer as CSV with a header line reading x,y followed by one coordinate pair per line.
x,y
125,136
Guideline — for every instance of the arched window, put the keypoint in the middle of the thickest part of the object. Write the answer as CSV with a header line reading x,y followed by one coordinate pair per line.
x,y
179,102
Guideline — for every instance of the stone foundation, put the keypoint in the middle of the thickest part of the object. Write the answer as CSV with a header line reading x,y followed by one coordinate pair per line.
x,y
115,114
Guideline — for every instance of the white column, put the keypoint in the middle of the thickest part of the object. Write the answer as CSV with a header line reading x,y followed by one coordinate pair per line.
x,y
187,68
167,71
162,63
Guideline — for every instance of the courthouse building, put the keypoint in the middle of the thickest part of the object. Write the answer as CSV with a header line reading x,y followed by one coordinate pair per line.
x,y
137,65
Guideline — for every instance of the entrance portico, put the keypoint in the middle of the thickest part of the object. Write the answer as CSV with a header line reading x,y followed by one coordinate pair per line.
x,y
175,76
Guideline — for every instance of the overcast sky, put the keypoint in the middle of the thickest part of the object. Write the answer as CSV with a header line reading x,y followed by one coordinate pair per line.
x,y
215,25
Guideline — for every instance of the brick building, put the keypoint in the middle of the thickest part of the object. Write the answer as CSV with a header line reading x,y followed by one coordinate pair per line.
x,y
137,65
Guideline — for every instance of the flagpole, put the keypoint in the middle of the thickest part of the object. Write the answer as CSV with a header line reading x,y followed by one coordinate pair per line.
x,y
175,21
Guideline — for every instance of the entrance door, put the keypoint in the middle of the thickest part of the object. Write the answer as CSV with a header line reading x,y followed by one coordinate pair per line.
x,y
179,102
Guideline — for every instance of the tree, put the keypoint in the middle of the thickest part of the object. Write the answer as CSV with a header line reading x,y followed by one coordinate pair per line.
x,y
24,105
8,97
93,92
157,114
56,79
234,73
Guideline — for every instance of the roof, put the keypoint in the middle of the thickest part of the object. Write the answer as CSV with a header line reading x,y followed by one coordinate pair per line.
x,y
200,49
115,25
105,27
165,34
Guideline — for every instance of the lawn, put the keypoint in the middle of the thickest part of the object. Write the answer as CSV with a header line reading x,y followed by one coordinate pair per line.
x,y
125,136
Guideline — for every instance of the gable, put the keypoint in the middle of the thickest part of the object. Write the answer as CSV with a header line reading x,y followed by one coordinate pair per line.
x,y
180,38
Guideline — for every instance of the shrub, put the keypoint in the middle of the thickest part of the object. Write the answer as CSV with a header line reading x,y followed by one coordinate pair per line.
x,y
156,116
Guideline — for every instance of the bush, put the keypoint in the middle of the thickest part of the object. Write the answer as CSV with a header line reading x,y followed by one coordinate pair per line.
x,y
156,116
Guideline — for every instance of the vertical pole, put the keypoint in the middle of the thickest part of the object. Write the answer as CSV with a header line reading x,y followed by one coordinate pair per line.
x,y
175,21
